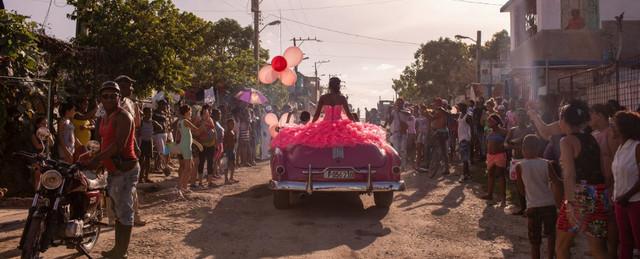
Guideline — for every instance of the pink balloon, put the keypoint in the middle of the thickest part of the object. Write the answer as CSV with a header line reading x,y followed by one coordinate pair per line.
x,y
271,119
293,55
288,77
267,75
272,131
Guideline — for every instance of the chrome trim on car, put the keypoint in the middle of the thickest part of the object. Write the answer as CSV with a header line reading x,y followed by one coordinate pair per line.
x,y
376,186
309,187
358,171
369,180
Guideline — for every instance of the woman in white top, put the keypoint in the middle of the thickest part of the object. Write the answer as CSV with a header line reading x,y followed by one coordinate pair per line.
x,y
626,184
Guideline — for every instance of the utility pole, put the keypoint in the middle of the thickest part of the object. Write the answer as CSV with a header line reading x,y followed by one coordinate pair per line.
x,y
255,8
478,47
315,66
302,40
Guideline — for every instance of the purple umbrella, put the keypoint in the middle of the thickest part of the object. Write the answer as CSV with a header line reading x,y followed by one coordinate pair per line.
x,y
251,96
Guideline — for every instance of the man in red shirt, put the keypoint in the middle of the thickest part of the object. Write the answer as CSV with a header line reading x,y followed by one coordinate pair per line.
x,y
118,156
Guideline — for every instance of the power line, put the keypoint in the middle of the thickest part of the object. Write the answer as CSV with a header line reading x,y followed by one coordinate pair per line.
x,y
233,6
341,6
46,16
347,33
344,6
358,57
476,2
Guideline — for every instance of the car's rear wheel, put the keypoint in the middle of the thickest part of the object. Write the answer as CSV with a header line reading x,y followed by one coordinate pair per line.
x,y
281,199
383,199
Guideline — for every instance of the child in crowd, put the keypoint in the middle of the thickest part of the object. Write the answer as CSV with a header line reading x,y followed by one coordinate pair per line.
x,y
355,117
145,136
305,117
229,151
534,176
67,141
496,159
216,115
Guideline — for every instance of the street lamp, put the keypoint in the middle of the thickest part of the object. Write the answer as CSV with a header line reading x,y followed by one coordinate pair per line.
x,y
276,22
478,41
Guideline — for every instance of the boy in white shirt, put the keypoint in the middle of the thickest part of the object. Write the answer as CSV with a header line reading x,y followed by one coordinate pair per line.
x,y
534,177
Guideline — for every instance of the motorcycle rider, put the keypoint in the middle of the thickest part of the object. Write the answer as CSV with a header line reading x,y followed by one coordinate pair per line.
x,y
118,156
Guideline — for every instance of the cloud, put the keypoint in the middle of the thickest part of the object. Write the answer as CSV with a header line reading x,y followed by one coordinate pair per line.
x,y
382,67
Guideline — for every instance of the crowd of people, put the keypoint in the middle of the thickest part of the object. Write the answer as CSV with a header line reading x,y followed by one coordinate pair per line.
x,y
138,138
576,173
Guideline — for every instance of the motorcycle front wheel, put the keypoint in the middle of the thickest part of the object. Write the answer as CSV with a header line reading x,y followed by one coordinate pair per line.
x,y
31,247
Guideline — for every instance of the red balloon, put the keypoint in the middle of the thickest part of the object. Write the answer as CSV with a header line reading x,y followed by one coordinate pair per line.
x,y
279,63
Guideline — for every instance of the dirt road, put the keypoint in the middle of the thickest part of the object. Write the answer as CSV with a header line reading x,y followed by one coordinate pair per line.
x,y
434,218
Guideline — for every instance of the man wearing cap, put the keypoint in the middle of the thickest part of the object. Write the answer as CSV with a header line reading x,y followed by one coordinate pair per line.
x,y
118,156
126,86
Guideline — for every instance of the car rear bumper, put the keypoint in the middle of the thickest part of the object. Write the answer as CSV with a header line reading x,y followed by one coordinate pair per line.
x,y
375,186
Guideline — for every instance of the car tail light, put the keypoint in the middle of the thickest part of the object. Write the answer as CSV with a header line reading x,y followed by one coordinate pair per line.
x,y
396,170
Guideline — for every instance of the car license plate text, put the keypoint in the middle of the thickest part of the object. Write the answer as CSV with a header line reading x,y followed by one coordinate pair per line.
x,y
338,174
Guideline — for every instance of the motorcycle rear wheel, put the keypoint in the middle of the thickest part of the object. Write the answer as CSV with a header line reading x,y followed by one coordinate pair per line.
x,y
31,247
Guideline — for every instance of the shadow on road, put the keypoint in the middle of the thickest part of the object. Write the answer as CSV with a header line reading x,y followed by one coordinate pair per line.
x,y
246,225
421,183
495,224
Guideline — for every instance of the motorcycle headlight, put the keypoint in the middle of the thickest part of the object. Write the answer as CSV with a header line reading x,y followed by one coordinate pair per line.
x,y
51,179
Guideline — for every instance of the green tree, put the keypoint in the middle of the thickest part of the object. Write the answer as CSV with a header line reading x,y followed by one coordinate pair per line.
x,y
441,68
498,43
232,63
277,93
151,41
19,57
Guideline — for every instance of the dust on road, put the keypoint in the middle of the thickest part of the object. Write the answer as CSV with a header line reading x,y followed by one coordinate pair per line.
x,y
434,218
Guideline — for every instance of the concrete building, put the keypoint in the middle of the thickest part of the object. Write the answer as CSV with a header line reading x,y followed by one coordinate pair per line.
x,y
554,38
305,93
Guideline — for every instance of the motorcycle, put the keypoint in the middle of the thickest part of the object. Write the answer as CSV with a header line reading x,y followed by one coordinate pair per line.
x,y
67,208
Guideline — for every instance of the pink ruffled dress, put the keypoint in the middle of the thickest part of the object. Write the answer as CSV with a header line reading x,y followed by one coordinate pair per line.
x,y
334,130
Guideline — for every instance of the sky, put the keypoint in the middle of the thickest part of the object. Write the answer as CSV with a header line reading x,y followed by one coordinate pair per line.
x,y
345,28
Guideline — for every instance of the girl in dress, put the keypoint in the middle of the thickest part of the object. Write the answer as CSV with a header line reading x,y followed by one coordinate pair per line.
x,y
335,129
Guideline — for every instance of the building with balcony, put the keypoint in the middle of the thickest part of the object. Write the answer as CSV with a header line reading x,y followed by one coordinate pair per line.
x,y
554,38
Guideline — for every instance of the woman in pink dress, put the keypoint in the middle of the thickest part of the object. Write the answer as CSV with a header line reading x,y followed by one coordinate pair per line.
x,y
335,129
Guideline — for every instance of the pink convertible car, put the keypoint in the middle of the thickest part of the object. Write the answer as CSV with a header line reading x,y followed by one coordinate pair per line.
x,y
362,168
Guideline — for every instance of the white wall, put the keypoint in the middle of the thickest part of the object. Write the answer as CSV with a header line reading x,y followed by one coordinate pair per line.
x,y
549,14
611,8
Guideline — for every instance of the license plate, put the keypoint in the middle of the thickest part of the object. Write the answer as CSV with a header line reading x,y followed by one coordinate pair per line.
x,y
339,174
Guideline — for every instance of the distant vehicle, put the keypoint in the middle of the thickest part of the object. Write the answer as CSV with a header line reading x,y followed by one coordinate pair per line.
x,y
362,169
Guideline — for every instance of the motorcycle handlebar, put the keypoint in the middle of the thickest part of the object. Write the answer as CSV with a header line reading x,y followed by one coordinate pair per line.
x,y
46,160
